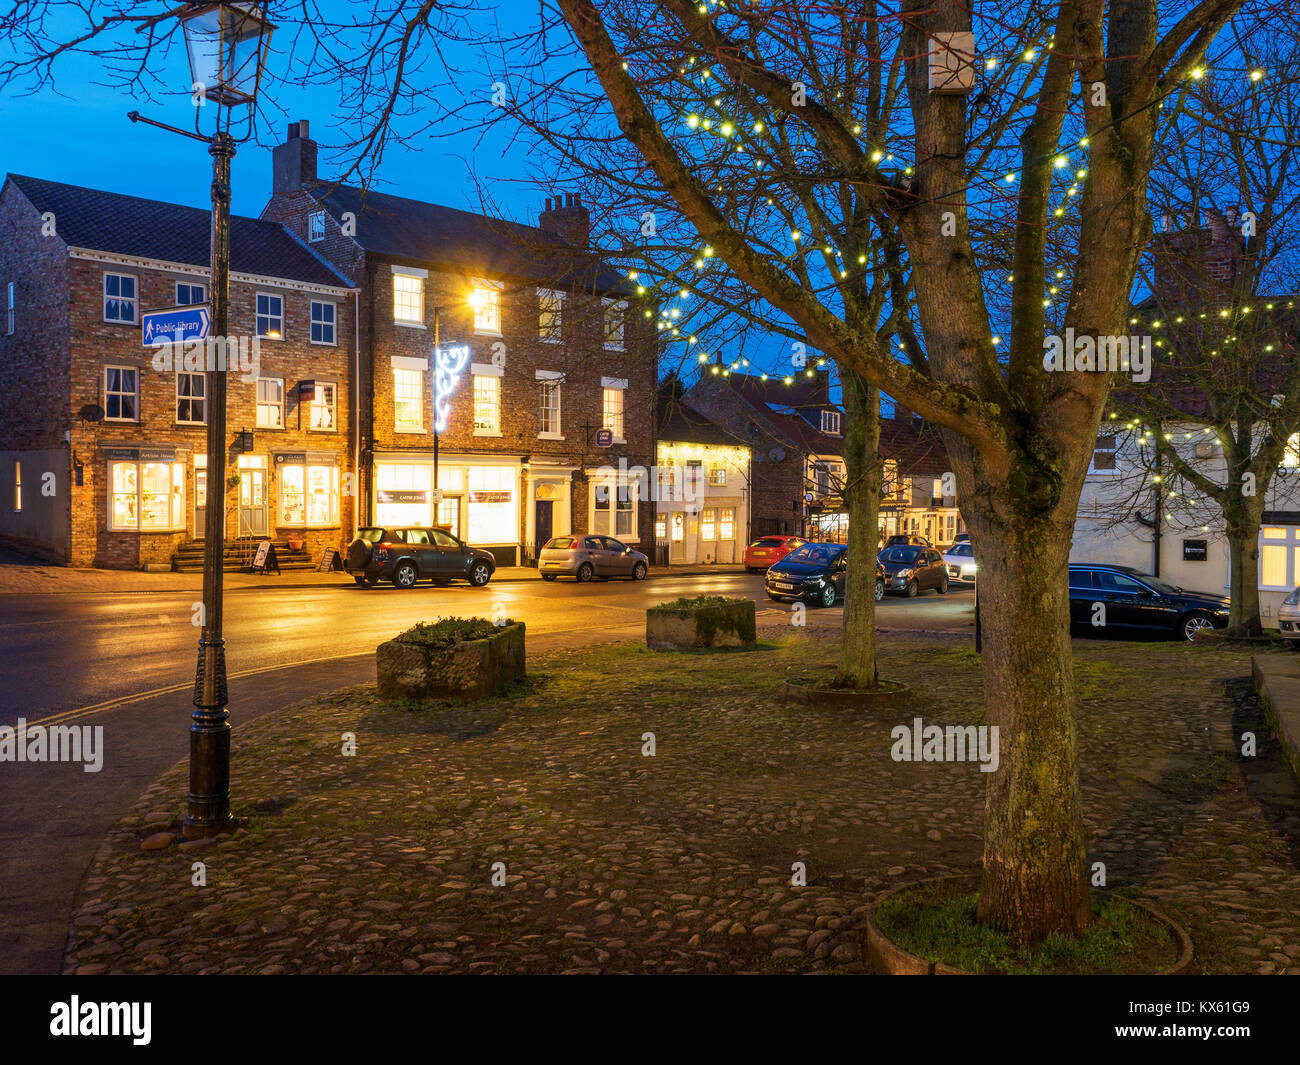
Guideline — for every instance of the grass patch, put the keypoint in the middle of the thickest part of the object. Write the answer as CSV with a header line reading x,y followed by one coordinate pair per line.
x,y
936,921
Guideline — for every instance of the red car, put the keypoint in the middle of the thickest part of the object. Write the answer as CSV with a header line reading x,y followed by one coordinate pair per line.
x,y
768,550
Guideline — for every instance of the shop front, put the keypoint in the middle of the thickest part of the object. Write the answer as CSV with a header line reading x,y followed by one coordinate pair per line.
x,y
548,510
476,498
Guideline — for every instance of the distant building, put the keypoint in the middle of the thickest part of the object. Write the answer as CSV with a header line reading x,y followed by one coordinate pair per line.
x,y
102,443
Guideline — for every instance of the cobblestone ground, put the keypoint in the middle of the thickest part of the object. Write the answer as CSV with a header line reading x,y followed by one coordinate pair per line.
x,y
615,861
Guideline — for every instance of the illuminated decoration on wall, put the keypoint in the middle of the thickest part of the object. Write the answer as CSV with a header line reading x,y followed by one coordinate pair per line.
x,y
448,363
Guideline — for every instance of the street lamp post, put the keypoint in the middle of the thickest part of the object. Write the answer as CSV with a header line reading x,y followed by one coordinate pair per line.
x,y
227,44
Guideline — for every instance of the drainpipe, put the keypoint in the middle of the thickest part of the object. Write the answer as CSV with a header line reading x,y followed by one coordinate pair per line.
x,y
356,408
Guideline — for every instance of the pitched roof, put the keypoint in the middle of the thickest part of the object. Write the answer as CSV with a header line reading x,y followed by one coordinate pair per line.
x,y
680,422
150,229
420,232
804,394
810,439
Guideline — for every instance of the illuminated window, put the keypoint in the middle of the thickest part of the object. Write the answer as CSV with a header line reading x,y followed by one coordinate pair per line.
x,y
270,316
322,322
493,513
322,406
270,403
486,303
487,404
548,407
550,322
1279,557
612,411
119,298
709,524
1291,456
408,299
613,508
831,422
717,476
309,496
408,400
147,496
661,527
190,393
121,394
615,314
727,524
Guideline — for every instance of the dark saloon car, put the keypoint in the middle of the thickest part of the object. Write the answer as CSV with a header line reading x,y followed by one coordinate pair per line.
x,y
910,568
1135,603
814,572
584,557
405,556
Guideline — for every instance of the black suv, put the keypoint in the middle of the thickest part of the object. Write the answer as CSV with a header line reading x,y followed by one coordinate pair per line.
x,y
1131,600
404,556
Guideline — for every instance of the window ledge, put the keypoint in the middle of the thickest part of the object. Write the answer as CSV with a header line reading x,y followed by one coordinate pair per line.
x,y
488,432
413,432
487,332
324,343
409,325
551,340
550,436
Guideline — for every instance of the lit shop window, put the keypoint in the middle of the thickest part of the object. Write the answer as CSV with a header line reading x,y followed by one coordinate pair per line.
x,y
1279,557
708,525
613,510
309,496
493,515
146,496
727,524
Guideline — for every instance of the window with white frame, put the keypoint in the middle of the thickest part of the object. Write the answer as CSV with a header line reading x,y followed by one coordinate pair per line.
x,y
408,400
146,496
119,298
727,523
1104,455
1279,557
486,303
270,316
316,226
550,320
661,526
270,403
709,524
9,316
309,496
718,476
487,403
323,406
408,299
615,315
190,295
613,508
548,407
1291,456
121,394
831,422
191,407
611,409
323,322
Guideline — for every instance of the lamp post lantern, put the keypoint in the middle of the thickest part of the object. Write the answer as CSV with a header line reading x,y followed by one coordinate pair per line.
x,y
227,50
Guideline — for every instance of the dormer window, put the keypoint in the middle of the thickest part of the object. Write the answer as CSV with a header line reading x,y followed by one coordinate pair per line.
x,y
831,422
316,226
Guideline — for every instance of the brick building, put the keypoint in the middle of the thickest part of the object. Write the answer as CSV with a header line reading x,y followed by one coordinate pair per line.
x,y
506,347
102,443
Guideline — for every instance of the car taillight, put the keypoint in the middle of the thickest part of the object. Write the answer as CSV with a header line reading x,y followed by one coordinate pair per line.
x,y
381,551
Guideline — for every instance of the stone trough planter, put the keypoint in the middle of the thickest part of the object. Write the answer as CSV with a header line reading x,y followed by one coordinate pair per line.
x,y
454,658
816,693
887,957
707,621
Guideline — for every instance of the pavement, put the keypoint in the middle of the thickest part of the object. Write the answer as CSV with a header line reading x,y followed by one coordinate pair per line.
x,y
1277,679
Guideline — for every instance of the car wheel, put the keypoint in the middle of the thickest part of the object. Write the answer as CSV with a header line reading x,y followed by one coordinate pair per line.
x,y
548,576
1194,623
405,575
585,573
827,595
639,571
943,585
479,574
913,589
880,591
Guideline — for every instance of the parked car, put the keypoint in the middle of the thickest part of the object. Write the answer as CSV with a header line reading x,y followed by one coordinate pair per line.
x,y
910,568
406,556
1288,618
585,557
906,539
960,560
814,572
767,550
1138,602
961,538
881,579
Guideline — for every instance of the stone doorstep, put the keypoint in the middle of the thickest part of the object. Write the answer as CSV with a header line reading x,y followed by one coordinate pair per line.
x,y
1277,679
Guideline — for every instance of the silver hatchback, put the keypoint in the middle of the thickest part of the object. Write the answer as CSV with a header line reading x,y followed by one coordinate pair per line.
x,y
1288,618
585,557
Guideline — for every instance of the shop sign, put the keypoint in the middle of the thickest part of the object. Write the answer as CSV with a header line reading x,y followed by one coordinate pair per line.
x,y
491,497
386,495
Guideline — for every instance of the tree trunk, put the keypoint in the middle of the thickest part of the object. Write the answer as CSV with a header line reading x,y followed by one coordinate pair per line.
x,y
1244,518
1034,877
862,471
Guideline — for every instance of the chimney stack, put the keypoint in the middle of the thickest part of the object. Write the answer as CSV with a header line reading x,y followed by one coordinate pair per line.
x,y
565,221
293,163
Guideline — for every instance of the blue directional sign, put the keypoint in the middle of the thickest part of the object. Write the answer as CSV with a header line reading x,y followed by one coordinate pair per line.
x,y
178,324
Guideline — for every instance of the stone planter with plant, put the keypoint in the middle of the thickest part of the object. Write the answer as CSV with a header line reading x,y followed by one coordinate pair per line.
x,y
705,621
465,658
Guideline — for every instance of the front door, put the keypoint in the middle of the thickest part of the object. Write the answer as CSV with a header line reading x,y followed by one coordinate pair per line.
x,y
252,500
544,522
677,536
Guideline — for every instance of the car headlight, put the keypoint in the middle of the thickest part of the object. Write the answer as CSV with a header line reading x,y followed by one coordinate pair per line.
x,y
1292,599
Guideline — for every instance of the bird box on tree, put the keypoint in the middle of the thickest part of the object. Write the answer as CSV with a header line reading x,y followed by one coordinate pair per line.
x,y
952,63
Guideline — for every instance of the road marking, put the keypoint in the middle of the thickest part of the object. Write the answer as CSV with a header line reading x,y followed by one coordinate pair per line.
x,y
139,697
